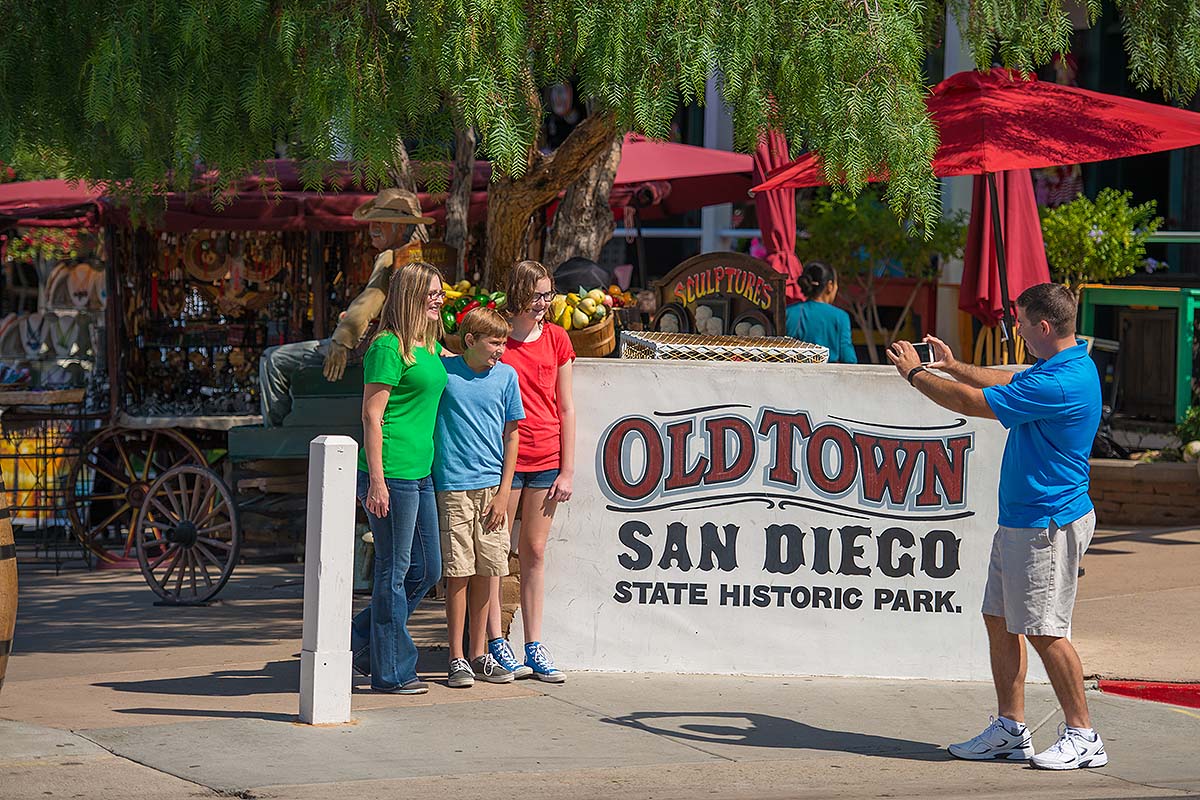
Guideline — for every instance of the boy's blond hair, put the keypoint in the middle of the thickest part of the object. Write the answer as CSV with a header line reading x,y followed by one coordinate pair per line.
x,y
484,322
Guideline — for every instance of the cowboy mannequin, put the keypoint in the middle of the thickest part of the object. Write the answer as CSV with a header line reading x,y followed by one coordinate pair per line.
x,y
395,219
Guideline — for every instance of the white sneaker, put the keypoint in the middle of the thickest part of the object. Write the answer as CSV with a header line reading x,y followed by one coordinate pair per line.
x,y
1073,750
996,743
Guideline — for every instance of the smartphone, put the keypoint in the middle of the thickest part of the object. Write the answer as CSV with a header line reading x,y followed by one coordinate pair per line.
x,y
924,352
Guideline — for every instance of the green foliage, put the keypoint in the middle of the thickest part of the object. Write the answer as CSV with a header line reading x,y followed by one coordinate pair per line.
x,y
1188,429
1097,240
862,238
139,93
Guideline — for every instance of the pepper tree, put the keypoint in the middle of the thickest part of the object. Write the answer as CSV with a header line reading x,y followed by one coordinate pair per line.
x,y
139,93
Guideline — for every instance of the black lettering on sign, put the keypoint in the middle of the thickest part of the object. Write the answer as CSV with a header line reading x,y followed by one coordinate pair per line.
x,y
642,554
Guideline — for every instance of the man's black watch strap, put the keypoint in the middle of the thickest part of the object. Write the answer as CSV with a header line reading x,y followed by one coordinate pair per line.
x,y
912,373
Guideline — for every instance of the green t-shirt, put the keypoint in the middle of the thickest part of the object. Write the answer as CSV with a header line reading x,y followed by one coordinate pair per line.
x,y
411,413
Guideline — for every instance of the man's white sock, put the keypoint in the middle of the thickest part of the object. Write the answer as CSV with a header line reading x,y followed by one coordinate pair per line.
x,y
1088,733
1012,726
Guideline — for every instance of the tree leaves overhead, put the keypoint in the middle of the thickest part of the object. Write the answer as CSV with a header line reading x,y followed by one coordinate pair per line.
x,y
143,92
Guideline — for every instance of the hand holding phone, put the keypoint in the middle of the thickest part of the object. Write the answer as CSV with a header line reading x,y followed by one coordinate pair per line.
x,y
924,352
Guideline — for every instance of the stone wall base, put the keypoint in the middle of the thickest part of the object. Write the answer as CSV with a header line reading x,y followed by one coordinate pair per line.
x,y
1134,493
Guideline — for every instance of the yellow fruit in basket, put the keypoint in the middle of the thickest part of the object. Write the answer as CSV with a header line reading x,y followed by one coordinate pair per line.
x,y
579,319
587,305
561,297
565,319
462,286
597,295
557,307
572,299
614,289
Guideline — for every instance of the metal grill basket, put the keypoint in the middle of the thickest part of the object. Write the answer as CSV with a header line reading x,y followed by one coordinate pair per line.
x,y
693,347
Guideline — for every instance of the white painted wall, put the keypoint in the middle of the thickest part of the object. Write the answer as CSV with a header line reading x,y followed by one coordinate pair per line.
x,y
587,628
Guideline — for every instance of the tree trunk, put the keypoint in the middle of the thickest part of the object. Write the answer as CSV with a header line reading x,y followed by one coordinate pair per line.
x,y
511,203
583,221
401,173
458,203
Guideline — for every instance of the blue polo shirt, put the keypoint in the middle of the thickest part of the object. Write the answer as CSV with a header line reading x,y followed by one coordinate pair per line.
x,y
1052,411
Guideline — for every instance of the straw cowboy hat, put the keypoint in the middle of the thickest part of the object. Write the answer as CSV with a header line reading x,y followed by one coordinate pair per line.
x,y
393,205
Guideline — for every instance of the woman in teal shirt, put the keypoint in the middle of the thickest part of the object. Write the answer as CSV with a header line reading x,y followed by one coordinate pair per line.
x,y
403,379
817,320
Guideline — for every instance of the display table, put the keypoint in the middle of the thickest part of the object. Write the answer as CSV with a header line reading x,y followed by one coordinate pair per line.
x,y
771,519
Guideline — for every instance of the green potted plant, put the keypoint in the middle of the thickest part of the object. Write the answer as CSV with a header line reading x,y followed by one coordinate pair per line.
x,y
863,239
1096,241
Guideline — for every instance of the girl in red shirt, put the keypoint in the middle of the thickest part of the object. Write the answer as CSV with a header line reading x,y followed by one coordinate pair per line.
x,y
542,355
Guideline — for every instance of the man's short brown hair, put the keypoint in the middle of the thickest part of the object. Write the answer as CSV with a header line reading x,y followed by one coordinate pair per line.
x,y
484,322
1053,303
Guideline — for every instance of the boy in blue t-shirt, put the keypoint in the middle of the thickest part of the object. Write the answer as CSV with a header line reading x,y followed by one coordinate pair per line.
x,y
475,455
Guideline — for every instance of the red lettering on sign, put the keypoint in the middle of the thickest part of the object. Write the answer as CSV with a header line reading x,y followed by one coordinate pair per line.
x,y
945,467
614,445
725,470
847,470
882,468
781,429
678,475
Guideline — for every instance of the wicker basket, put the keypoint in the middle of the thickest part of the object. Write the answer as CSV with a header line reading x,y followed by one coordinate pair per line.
x,y
595,341
692,347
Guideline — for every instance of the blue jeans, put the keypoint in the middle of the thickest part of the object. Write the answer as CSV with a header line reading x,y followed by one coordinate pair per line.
x,y
408,562
542,479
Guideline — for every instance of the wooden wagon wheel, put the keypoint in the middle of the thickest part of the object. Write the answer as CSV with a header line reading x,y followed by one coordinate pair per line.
x,y
109,482
187,535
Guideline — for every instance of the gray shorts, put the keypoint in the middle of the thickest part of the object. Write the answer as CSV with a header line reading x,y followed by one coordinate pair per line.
x,y
1033,575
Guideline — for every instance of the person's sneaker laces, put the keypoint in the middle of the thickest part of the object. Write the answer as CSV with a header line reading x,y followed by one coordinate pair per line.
x,y
501,651
460,675
537,658
1073,750
489,669
996,743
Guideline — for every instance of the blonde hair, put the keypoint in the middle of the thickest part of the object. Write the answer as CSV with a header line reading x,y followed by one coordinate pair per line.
x,y
404,308
484,322
522,279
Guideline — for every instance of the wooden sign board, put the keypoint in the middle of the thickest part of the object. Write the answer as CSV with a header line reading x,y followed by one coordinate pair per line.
x,y
439,254
722,294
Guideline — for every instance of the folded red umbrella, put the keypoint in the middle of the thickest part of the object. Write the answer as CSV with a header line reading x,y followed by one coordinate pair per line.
x,y
981,294
777,215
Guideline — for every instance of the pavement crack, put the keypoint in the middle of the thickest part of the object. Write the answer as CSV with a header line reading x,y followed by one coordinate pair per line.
x,y
206,787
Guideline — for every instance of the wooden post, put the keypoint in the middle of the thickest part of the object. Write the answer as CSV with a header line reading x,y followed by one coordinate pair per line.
x,y
328,581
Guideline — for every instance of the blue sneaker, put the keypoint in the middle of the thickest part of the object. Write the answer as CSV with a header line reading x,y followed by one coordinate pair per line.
x,y
537,657
503,653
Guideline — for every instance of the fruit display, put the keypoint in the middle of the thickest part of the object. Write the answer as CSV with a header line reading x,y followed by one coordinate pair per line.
x,y
578,310
462,298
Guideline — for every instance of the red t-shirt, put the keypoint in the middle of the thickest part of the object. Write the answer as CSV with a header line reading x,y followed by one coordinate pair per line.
x,y
537,364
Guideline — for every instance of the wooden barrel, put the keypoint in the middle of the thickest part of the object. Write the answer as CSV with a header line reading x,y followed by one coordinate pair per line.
x,y
595,341
8,583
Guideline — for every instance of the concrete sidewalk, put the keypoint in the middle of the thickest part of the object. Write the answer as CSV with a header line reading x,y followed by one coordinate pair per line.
x,y
110,696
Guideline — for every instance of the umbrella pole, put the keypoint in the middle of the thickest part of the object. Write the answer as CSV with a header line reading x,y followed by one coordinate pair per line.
x,y
998,233
641,250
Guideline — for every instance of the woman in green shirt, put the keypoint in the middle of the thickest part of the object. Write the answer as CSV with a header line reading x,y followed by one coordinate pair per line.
x,y
403,379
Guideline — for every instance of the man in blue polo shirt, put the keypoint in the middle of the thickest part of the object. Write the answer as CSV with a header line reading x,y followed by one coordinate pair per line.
x,y
1051,411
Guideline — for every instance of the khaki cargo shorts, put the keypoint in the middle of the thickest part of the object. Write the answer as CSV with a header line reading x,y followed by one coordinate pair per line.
x,y
468,548
1033,576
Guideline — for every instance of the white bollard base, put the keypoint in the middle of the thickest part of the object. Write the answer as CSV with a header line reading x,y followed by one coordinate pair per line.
x,y
325,681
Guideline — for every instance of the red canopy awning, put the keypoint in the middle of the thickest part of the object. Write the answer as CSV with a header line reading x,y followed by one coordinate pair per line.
x,y
48,203
1002,120
697,176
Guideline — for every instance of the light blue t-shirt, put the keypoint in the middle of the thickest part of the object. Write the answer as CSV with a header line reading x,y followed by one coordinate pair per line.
x,y
469,437
824,324
1052,411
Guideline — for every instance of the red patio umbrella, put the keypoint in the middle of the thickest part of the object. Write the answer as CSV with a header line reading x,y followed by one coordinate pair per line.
x,y
697,176
48,203
777,214
1003,120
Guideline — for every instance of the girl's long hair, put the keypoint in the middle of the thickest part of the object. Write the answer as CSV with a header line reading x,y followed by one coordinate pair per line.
x,y
403,311
522,279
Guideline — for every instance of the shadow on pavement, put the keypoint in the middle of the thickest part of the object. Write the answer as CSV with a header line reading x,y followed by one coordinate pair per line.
x,y
275,677
763,730
1106,542
209,712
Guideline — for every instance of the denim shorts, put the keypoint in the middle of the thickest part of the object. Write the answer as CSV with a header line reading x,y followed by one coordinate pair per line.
x,y
541,479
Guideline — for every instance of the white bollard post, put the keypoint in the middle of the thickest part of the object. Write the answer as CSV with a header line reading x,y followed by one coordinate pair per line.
x,y
328,581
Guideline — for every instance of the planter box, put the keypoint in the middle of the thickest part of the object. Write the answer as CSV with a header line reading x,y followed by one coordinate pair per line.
x,y
1134,493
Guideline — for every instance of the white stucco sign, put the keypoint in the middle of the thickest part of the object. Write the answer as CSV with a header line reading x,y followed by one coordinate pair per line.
x,y
771,519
